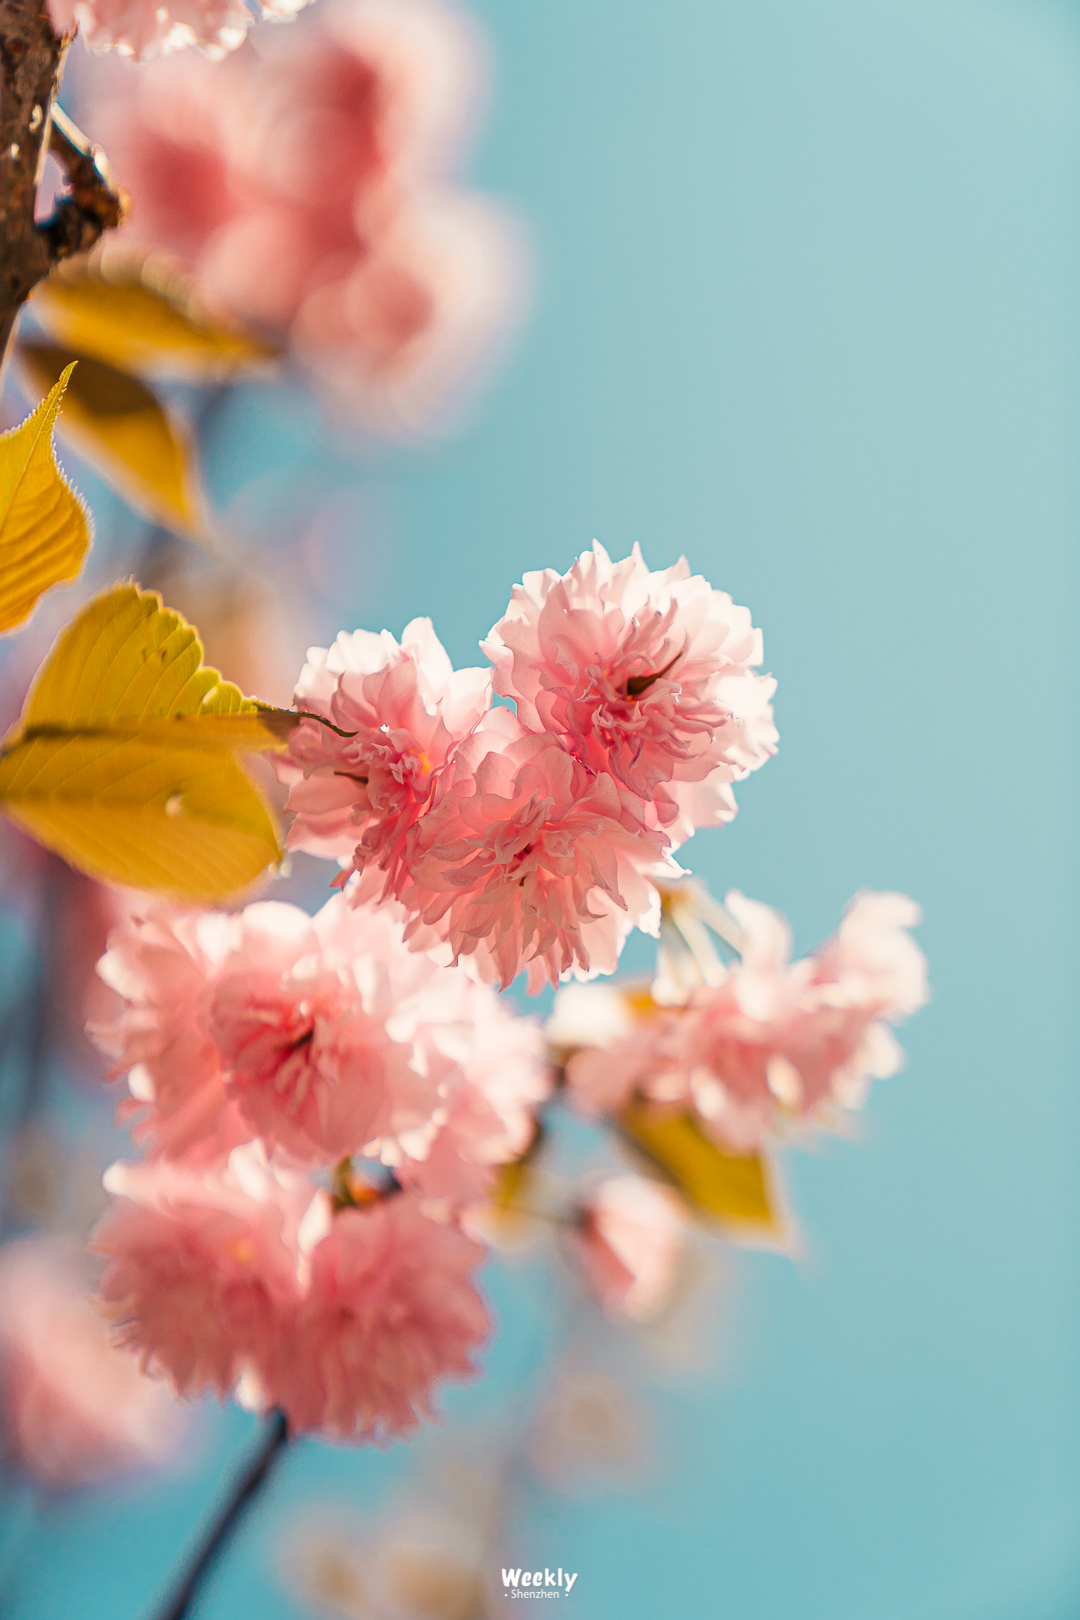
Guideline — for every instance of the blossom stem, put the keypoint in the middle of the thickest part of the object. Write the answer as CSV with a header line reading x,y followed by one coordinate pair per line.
x,y
244,1492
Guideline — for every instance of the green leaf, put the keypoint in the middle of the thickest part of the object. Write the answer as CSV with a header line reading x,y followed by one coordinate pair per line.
x,y
44,524
124,431
123,759
737,1190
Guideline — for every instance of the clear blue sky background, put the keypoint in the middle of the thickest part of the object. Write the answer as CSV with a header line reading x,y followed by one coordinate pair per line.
x,y
808,309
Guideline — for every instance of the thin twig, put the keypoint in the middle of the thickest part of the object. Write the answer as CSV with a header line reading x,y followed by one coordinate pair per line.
x,y
95,204
240,1499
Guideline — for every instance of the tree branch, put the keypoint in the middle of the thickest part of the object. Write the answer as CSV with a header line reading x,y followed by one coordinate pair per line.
x,y
96,203
31,65
243,1493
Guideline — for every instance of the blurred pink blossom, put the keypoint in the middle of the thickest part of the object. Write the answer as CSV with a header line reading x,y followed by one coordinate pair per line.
x,y
75,1409
243,1281
144,28
775,1040
306,184
161,964
526,860
205,1268
806,1034
615,1044
490,1116
405,709
390,1309
629,1241
646,676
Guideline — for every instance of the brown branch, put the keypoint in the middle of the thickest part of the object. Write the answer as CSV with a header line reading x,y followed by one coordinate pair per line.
x,y
31,62
31,65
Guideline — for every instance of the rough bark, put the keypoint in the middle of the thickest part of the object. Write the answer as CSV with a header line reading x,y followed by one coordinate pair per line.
x,y
31,64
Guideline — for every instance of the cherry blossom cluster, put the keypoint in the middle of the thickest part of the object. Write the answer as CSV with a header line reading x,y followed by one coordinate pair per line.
x,y
531,838
320,1105
768,1045
305,184
325,1102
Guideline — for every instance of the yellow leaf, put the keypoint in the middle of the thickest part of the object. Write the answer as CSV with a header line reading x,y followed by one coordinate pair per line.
x,y
123,759
122,429
137,313
44,525
735,1189
510,1181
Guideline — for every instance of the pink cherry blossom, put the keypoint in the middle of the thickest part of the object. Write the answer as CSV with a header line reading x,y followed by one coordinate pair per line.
x,y
161,964
305,185
76,1410
146,28
648,677
490,1113
617,1041
390,1309
300,1030
774,1041
629,1241
779,1039
526,860
404,710
302,1012
205,1270
243,1281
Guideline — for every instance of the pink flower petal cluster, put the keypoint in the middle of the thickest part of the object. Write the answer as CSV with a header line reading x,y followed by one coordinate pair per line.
x,y
268,1023
776,1040
629,1241
140,29
160,965
76,1410
647,676
304,184
321,1036
390,1308
529,860
403,709
490,1114
241,1281
268,1045
530,840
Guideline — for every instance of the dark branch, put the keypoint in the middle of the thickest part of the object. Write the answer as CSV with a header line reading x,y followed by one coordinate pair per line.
x,y
241,1496
31,65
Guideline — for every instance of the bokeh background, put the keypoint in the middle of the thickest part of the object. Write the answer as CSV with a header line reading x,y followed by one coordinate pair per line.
x,y
806,307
